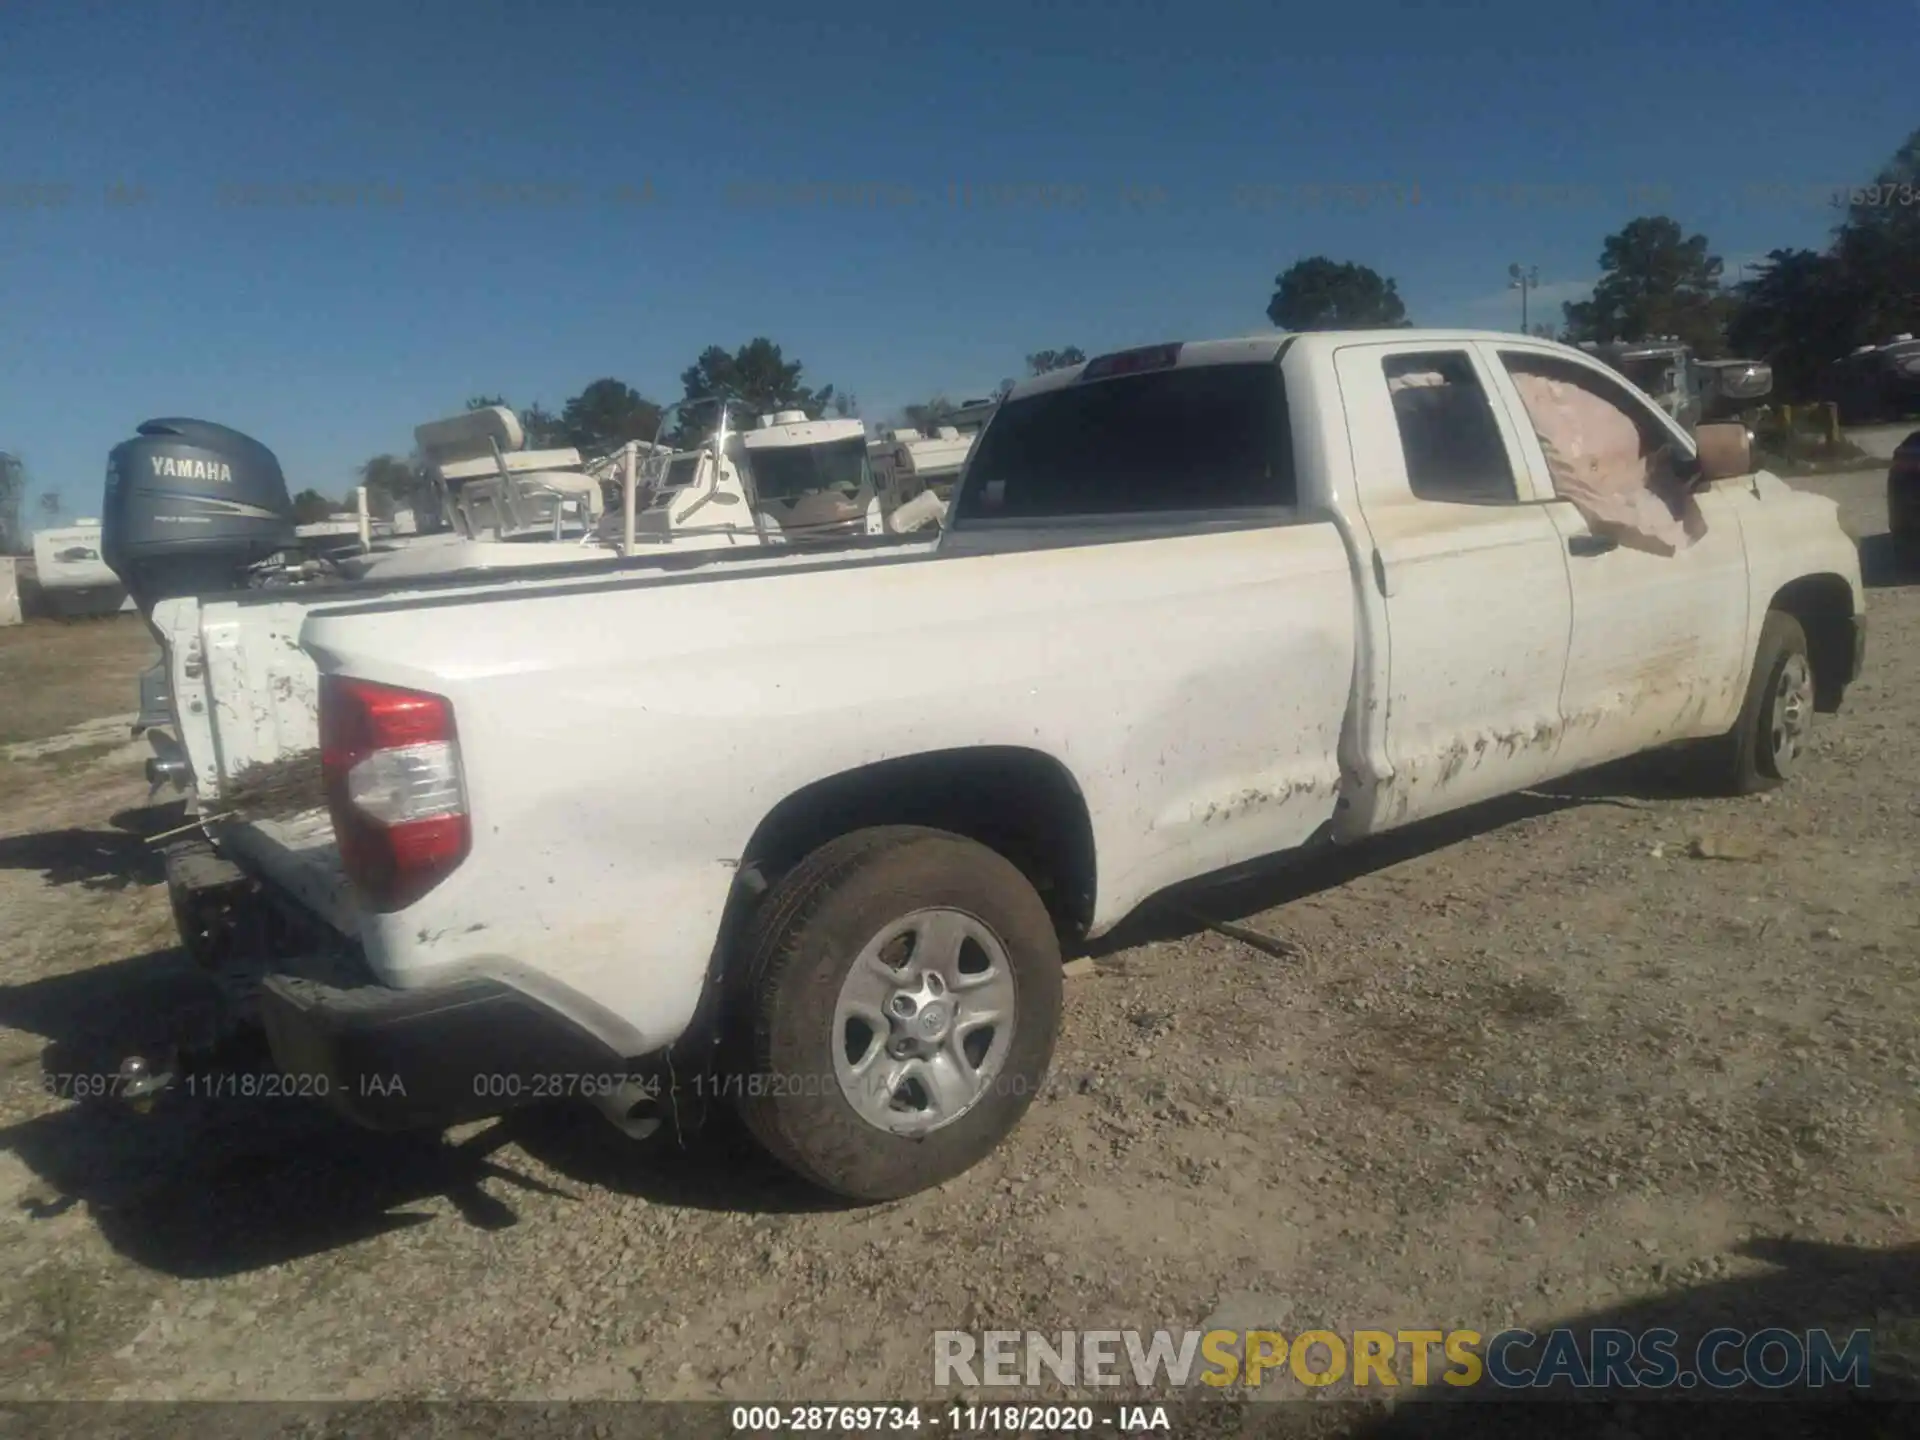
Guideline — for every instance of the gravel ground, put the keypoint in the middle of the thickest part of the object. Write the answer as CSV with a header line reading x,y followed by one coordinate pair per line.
x,y
1596,1055
1880,441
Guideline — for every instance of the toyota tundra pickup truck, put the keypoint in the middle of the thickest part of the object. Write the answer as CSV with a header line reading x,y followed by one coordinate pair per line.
x,y
818,827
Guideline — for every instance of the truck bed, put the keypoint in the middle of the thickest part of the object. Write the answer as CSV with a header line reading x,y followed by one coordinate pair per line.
x,y
245,693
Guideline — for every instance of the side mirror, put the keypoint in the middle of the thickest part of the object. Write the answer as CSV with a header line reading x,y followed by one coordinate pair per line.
x,y
1724,449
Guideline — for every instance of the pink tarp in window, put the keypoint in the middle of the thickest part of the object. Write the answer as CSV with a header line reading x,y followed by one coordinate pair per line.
x,y
1599,461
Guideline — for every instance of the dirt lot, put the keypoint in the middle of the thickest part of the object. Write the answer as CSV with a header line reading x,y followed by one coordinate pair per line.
x,y
54,674
1540,1063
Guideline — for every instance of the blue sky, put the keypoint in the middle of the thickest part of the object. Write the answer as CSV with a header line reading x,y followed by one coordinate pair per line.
x,y
340,221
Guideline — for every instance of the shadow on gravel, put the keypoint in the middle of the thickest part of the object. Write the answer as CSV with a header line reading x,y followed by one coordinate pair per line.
x,y
85,1014
1886,564
1264,885
716,1166
1657,775
93,859
229,1172
98,859
1812,1286
209,1183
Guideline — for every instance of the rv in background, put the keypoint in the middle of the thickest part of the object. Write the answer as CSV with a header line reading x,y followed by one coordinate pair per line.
x,y
70,574
913,462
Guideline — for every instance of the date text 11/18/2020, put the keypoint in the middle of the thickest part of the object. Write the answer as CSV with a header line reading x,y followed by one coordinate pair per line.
x,y
876,1419
215,1085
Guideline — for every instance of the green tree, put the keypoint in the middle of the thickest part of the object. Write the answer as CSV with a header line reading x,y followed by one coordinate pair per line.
x,y
928,413
1878,248
1807,308
310,507
1799,312
544,429
50,506
1041,361
1655,280
391,482
600,419
757,378
1321,294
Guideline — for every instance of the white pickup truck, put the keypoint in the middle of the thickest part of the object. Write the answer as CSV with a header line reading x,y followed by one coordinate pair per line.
x,y
811,831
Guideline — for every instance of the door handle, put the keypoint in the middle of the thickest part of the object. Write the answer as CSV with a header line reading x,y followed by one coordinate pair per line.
x,y
1591,544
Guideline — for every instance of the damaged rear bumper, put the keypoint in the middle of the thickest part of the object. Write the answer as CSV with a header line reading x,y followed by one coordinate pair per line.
x,y
409,1059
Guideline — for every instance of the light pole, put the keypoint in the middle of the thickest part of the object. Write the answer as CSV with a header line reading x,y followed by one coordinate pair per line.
x,y
1523,281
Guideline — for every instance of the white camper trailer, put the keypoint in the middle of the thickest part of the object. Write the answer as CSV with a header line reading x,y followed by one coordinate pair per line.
x,y
71,574
913,463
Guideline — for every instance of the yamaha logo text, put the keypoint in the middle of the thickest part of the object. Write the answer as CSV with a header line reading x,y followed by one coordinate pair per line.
x,y
170,468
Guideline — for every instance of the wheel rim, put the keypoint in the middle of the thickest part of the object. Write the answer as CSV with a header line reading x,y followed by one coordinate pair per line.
x,y
1790,713
924,1021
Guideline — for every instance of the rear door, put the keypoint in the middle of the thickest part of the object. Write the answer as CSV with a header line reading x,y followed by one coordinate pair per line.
x,y
1659,640
1473,577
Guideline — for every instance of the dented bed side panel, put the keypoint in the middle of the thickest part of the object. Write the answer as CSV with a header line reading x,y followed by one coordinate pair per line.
x,y
1193,688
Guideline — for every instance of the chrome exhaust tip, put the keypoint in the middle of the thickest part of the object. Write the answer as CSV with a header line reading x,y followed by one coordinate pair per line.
x,y
632,1108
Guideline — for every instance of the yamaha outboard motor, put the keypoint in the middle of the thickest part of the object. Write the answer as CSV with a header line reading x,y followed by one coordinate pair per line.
x,y
189,506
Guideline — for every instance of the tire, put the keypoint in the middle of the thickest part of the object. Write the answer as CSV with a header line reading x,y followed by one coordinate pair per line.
x,y
797,1033
1778,708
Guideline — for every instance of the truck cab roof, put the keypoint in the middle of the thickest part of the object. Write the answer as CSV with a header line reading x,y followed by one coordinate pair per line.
x,y
1252,350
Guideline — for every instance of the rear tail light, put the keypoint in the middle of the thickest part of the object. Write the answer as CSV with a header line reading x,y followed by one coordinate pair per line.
x,y
391,764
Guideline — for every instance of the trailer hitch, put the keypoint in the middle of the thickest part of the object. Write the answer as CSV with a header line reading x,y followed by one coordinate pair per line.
x,y
192,1054
140,1081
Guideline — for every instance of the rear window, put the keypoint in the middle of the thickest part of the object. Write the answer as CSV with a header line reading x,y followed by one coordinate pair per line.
x,y
1203,438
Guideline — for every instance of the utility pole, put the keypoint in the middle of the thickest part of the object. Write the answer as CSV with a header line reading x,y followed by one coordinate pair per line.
x,y
1523,281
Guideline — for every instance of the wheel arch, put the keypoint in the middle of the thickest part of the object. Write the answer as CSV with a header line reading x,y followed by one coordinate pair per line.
x,y
1824,606
1022,803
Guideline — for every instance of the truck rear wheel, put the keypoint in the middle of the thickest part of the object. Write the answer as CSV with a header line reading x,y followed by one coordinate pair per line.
x,y
902,999
1766,744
